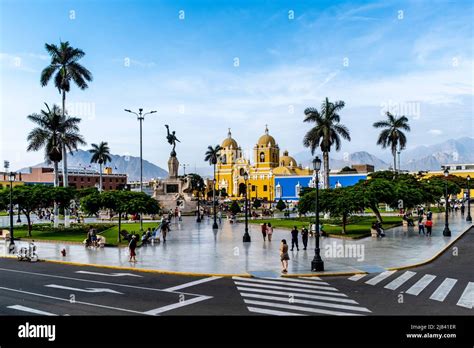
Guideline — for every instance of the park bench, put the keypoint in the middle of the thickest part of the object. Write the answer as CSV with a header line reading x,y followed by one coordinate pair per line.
x,y
4,234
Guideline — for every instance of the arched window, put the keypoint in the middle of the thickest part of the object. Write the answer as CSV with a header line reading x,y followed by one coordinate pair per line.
x,y
242,171
278,191
224,159
262,157
297,189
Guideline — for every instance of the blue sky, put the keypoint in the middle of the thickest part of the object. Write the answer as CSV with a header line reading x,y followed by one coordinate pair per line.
x,y
414,56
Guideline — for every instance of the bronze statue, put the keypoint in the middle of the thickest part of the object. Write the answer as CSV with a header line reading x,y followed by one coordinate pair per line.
x,y
172,139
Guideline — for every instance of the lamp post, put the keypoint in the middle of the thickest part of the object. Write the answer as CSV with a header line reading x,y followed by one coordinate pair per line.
x,y
246,238
446,231
11,178
199,188
214,225
317,264
141,118
468,218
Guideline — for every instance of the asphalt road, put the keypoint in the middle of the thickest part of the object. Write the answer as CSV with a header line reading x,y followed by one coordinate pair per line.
x,y
444,287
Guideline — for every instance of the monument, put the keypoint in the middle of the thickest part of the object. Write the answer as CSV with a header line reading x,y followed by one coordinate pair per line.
x,y
174,191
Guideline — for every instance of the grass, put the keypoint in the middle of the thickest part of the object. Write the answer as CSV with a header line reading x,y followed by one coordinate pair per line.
x,y
110,234
357,229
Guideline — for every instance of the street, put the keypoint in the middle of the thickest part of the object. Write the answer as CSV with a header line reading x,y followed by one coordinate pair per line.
x,y
443,287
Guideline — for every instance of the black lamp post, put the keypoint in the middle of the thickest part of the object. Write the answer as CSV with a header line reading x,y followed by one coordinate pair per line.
x,y
214,225
468,218
141,118
446,231
18,220
11,178
317,264
199,208
246,238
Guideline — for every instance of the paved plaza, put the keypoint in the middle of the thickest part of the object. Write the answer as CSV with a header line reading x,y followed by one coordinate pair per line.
x,y
193,247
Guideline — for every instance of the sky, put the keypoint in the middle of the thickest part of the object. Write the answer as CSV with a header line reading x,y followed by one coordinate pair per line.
x,y
207,66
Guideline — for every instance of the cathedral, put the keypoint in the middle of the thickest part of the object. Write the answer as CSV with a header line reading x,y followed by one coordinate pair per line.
x,y
268,163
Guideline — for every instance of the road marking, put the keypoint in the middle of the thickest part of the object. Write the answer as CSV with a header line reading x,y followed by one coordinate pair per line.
x,y
30,310
316,297
300,308
311,303
68,300
443,290
356,277
177,305
111,274
89,290
272,312
90,281
292,280
296,290
421,284
280,283
378,278
467,297
312,278
396,283
187,285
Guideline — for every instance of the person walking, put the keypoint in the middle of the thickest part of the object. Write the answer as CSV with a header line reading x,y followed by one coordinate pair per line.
x,y
429,226
264,231
269,232
421,225
132,246
179,216
304,237
294,238
284,257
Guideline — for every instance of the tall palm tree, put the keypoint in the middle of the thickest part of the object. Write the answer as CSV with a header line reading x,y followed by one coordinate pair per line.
x,y
211,155
53,132
392,135
65,68
100,154
326,132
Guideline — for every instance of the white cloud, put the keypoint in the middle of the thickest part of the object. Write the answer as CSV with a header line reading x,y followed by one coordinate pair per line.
x,y
435,132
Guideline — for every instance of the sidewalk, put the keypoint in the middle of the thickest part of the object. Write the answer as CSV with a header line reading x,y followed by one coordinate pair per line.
x,y
196,248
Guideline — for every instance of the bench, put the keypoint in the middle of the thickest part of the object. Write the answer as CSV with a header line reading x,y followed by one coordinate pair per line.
x,y
373,232
5,234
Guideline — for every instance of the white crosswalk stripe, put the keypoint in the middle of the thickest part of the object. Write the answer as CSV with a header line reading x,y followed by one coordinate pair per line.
x,y
379,277
395,284
356,277
467,297
284,296
421,284
443,290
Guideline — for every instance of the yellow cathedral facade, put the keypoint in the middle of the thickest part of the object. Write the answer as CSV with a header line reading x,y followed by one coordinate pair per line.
x,y
268,163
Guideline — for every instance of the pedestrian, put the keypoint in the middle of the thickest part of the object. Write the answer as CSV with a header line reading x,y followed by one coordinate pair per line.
x,y
462,208
421,225
294,238
164,230
304,237
179,215
269,232
429,214
429,226
132,246
219,215
264,231
284,257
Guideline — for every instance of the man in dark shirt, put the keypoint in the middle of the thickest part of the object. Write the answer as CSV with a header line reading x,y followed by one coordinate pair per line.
x,y
304,236
294,238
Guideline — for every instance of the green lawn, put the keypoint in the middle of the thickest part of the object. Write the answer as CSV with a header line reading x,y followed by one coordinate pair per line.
x,y
356,229
110,234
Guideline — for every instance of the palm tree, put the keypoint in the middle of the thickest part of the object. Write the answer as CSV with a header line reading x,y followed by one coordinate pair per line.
x,y
65,67
392,134
212,155
100,154
53,132
326,131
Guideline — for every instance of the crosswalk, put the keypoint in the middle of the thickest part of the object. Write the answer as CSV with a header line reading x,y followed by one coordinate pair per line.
x,y
397,279
295,297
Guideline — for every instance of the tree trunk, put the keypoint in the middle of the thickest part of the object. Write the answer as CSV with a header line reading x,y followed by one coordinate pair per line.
x,y
56,184
29,222
326,169
100,177
394,154
65,174
119,227
376,211
344,222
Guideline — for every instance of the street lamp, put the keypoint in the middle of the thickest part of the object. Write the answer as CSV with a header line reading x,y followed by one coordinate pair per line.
x,y
246,238
141,118
214,225
468,218
11,178
317,264
199,188
446,231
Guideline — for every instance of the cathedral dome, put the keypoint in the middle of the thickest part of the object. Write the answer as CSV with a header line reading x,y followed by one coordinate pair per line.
x,y
266,139
229,141
287,161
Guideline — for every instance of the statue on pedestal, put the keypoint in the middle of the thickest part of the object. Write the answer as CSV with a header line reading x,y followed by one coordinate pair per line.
x,y
172,139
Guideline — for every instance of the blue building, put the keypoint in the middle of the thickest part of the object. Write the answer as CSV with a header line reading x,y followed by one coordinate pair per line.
x,y
288,187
